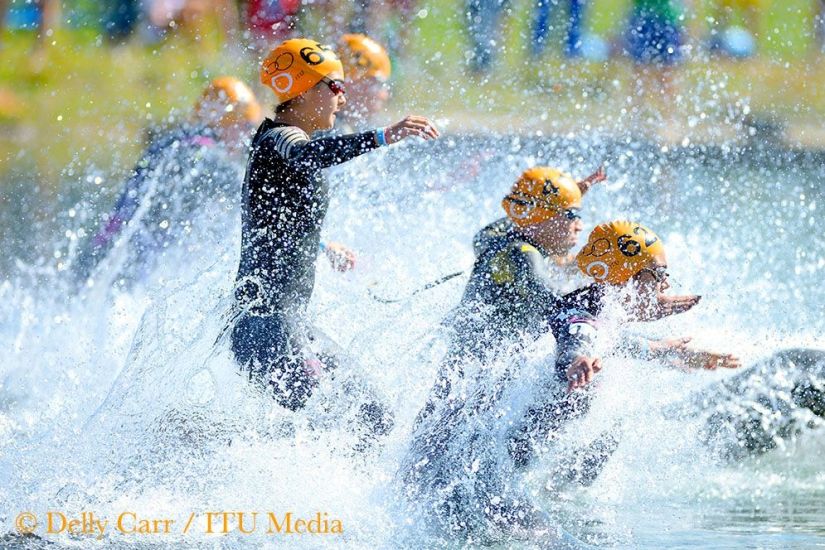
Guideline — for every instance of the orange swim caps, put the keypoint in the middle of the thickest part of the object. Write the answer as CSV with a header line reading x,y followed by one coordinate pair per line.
x,y
227,101
539,194
618,250
363,57
297,65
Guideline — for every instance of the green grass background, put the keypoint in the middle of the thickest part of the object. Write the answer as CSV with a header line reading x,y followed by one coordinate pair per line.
x,y
78,103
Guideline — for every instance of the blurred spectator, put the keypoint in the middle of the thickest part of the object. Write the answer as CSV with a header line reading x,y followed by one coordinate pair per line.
x,y
542,27
120,18
654,34
271,21
193,17
654,41
484,29
368,14
733,40
4,10
819,25
41,15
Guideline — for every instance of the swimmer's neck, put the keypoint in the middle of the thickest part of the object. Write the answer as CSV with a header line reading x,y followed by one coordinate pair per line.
x,y
295,118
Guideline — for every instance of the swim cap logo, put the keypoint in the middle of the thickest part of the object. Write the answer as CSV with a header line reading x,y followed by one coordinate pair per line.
x,y
314,56
598,270
600,247
629,246
518,207
550,189
283,61
286,78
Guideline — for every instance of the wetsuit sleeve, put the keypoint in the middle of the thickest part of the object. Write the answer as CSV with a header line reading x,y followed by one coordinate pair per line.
x,y
294,145
483,240
576,333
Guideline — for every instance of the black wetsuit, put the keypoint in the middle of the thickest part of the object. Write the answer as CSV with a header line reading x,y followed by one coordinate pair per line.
x,y
509,289
181,170
762,407
574,327
509,299
285,199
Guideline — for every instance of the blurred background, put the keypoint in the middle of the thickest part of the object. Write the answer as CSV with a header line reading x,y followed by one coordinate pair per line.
x,y
80,81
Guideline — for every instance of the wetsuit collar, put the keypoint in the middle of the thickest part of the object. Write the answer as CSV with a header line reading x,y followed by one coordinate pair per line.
x,y
514,229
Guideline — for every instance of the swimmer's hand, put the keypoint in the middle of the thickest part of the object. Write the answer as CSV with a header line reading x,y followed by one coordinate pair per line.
x,y
591,180
668,305
340,257
678,352
581,371
668,347
708,360
411,126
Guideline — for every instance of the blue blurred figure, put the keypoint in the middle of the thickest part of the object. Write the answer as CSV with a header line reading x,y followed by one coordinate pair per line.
x,y
119,19
655,33
483,24
541,26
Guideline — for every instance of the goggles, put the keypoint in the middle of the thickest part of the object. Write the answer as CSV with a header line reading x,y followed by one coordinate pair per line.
x,y
335,86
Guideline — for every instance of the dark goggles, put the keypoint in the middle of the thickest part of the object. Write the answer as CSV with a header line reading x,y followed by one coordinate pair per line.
x,y
572,215
335,86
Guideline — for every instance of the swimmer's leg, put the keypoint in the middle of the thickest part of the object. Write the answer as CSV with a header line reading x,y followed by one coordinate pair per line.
x,y
268,351
584,465
373,418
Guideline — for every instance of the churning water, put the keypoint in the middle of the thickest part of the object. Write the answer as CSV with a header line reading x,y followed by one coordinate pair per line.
x,y
125,396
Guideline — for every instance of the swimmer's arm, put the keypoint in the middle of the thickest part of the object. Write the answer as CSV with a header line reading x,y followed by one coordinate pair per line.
x,y
678,353
591,180
642,347
575,364
294,145
576,336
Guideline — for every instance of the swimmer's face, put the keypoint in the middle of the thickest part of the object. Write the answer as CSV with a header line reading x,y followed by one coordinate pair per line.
x,y
650,283
559,234
324,100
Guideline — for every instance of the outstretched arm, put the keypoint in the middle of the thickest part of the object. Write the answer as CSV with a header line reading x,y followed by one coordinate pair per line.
x,y
679,353
591,180
315,154
665,305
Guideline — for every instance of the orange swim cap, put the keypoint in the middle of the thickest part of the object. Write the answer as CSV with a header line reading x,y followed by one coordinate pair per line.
x,y
297,65
539,194
618,250
227,101
363,57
